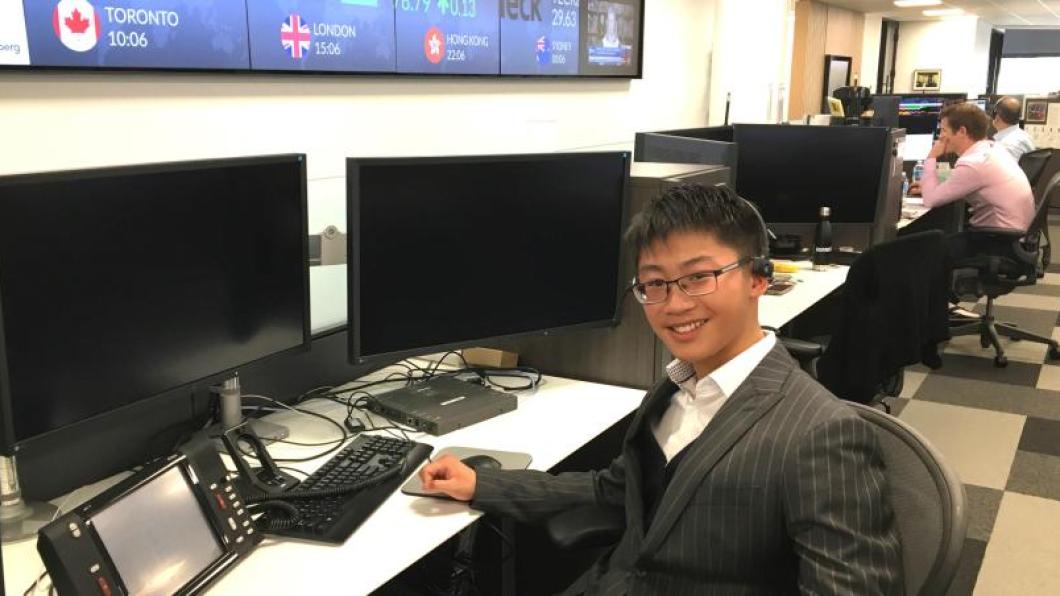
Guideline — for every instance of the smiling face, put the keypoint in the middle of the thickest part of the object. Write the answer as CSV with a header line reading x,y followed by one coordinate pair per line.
x,y
708,330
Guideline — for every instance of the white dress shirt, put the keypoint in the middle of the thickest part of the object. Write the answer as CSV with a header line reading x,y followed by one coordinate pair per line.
x,y
696,402
1015,140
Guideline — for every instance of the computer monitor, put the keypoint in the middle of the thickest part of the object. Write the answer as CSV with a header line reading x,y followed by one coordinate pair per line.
x,y
790,172
119,284
980,103
448,252
920,114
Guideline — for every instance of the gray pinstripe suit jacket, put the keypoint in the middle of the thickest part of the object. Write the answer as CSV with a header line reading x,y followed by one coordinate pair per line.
x,y
783,492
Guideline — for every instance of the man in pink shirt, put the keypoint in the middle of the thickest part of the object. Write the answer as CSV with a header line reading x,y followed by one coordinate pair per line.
x,y
991,182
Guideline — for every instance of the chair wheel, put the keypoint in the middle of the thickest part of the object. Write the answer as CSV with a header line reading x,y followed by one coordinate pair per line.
x,y
1001,361
1054,353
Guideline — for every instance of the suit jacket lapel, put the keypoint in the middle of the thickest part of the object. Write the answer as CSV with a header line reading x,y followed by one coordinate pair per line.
x,y
759,393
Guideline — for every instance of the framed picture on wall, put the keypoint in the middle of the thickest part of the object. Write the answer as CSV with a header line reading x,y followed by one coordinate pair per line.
x,y
1037,111
927,80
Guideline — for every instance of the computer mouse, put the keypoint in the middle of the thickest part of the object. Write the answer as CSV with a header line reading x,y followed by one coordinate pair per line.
x,y
481,462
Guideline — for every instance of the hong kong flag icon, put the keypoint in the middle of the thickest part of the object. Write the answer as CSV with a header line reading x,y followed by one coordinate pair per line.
x,y
76,24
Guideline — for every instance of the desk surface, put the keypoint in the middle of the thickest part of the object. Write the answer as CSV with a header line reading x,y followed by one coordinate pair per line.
x,y
404,529
912,209
812,286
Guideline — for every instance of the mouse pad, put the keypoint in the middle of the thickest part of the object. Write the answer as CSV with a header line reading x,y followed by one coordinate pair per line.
x,y
510,460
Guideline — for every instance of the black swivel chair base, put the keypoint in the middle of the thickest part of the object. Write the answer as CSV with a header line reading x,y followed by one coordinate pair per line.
x,y
990,332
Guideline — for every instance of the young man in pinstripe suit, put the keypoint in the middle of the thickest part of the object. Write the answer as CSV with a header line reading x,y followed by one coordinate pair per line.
x,y
739,474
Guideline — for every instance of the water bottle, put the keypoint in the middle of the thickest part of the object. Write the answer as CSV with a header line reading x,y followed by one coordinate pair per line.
x,y
905,185
918,171
822,241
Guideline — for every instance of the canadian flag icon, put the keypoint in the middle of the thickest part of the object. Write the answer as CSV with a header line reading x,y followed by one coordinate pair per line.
x,y
76,24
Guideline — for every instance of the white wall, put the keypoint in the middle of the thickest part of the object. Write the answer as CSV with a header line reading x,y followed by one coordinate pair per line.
x,y
959,46
751,59
51,121
870,51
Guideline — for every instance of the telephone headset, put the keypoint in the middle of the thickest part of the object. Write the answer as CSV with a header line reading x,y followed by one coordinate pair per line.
x,y
760,265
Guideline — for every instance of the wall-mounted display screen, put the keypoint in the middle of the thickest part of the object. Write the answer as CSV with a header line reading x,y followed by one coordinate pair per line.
x,y
322,35
447,36
564,38
540,38
137,33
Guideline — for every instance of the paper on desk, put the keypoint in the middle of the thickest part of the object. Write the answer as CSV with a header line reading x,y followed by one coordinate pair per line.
x,y
911,201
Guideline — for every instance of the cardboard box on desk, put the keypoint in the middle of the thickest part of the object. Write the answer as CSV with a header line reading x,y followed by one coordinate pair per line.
x,y
490,357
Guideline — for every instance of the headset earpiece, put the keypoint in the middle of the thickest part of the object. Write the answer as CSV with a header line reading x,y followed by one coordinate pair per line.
x,y
761,265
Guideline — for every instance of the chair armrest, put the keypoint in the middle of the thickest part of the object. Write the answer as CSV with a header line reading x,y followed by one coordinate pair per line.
x,y
801,349
999,233
587,527
805,352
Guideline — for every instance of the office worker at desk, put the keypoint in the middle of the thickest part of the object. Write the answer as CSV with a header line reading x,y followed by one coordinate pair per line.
x,y
739,473
1009,135
994,186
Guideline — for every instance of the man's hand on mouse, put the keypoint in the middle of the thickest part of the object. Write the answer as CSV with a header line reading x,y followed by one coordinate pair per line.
x,y
450,476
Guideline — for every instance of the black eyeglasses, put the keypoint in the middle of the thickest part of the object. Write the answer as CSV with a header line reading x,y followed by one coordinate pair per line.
x,y
699,283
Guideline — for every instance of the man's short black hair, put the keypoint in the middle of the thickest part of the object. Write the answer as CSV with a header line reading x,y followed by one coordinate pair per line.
x,y
1008,110
715,210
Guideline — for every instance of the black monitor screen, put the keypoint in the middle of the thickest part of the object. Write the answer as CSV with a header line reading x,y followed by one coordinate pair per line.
x,y
448,251
790,172
122,283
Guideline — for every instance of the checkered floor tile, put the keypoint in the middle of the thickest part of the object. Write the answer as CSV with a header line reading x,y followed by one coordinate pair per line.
x,y
1000,429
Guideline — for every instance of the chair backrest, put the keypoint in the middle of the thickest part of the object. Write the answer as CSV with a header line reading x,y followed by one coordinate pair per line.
x,y
1033,164
928,501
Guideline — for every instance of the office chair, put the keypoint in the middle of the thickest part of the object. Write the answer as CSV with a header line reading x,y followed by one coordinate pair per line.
x,y
894,312
1007,259
1034,165
927,498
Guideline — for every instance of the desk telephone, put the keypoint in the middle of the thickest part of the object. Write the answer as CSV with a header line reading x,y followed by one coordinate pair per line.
x,y
174,527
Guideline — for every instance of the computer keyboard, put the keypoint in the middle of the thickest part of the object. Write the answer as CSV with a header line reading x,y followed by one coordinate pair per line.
x,y
381,464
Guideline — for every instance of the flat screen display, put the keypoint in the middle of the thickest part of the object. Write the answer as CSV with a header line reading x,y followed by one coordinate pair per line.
x,y
539,38
920,115
119,284
448,36
561,38
158,536
448,251
790,172
322,35
207,34
611,37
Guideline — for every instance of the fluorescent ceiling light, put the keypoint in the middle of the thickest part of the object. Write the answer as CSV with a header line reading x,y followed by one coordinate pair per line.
x,y
943,12
908,3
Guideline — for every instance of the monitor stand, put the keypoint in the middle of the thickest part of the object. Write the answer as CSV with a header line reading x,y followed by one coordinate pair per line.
x,y
232,414
19,520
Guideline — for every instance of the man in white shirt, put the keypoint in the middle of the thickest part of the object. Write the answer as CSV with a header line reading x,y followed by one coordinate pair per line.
x,y
1009,135
739,473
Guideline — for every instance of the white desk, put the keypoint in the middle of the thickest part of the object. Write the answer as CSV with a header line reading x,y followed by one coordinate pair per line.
x,y
811,286
550,424
912,209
